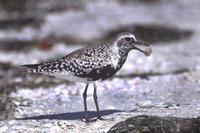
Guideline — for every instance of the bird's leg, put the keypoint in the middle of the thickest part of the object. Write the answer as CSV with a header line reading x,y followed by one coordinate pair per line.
x,y
96,102
85,102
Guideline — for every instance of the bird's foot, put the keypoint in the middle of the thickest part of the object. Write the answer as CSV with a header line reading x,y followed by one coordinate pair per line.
x,y
88,120
104,119
100,118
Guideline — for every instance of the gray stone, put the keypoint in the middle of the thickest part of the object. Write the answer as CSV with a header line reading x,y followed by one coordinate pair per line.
x,y
154,124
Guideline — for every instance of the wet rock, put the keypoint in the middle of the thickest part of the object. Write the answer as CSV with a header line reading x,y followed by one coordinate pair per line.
x,y
155,124
154,33
161,33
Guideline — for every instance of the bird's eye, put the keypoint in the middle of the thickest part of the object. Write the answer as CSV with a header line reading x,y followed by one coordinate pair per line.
x,y
128,39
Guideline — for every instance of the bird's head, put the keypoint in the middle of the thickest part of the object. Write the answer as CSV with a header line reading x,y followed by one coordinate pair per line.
x,y
127,42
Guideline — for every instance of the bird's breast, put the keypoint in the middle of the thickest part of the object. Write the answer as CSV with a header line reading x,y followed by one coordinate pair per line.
x,y
102,73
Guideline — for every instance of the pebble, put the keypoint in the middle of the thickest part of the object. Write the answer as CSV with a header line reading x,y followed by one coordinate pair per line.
x,y
145,104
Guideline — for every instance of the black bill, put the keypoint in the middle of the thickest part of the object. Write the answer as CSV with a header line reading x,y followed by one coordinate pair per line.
x,y
142,47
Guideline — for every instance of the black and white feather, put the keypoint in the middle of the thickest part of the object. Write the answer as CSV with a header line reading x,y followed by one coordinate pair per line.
x,y
89,64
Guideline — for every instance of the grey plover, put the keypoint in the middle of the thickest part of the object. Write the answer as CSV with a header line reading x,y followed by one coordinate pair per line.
x,y
92,63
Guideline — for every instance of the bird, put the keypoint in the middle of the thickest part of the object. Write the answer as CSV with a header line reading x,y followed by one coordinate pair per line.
x,y
92,64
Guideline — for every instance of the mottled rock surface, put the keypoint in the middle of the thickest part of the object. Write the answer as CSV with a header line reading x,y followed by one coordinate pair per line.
x,y
154,124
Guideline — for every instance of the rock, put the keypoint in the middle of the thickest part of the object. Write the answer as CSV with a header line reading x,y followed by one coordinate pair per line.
x,y
155,124
153,33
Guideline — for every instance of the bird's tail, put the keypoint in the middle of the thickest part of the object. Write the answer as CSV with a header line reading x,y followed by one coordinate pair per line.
x,y
32,68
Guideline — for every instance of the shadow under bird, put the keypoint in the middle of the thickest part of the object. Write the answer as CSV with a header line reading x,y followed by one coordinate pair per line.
x,y
92,63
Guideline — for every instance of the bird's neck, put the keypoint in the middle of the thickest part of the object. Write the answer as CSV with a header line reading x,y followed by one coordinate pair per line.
x,y
122,55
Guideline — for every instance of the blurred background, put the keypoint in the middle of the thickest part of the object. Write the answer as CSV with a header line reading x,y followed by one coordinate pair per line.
x,y
35,30
32,31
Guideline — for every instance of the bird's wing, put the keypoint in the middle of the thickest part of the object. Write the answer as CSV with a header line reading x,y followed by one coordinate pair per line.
x,y
82,63
91,64
55,66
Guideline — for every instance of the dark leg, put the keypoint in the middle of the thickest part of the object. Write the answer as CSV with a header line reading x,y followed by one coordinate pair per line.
x,y
96,102
85,102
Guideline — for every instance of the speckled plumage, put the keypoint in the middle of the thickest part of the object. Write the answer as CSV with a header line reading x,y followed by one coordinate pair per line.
x,y
92,63
87,64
